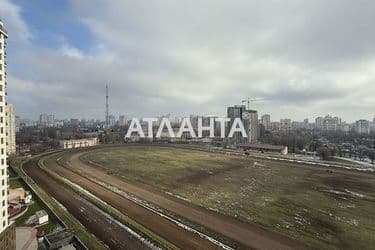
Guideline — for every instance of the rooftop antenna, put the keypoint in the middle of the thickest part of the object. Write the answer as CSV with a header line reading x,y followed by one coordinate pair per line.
x,y
106,107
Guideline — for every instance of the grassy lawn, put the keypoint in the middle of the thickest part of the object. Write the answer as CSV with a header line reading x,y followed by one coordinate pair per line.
x,y
325,210
17,183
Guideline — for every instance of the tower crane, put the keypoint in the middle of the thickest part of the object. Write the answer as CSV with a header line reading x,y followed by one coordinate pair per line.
x,y
251,100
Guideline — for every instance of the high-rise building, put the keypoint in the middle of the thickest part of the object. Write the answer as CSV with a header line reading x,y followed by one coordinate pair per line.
x,y
10,129
17,121
275,126
111,120
7,230
285,124
50,120
362,127
43,118
328,123
232,113
3,155
122,120
266,121
372,126
46,120
250,122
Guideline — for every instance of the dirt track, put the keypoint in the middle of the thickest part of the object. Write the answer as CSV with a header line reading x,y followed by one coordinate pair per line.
x,y
247,235
111,233
159,225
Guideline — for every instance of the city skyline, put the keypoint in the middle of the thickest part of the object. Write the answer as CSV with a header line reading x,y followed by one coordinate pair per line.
x,y
304,65
127,116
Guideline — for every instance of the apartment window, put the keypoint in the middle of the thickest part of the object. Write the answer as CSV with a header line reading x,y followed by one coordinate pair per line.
x,y
3,193
2,151
3,203
3,182
2,161
2,172
1,66
4,213
4,223
2,140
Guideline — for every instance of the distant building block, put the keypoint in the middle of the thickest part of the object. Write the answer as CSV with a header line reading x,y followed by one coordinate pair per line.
x,y
79,143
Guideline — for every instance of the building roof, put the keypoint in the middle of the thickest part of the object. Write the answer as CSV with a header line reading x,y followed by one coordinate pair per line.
x,y
26,238
41,213
262,146
58,236
80,140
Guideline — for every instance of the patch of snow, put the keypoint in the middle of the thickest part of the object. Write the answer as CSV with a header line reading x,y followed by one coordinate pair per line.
x,y
160,212
355,194
110,218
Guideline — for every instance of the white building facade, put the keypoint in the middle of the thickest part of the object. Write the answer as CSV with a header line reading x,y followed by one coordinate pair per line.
x,y
79,143
3,153
328,123
362,127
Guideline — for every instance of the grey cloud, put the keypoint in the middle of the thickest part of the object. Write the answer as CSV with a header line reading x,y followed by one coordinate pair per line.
x,y
186,57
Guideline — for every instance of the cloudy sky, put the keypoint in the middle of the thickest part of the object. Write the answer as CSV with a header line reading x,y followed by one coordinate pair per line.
x,y
304,58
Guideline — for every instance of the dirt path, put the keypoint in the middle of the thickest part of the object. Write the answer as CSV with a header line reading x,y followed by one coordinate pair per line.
x,y
106,229
159,225
248,235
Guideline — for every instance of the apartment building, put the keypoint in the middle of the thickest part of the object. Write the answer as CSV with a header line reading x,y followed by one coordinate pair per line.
x,y
10,129
7,230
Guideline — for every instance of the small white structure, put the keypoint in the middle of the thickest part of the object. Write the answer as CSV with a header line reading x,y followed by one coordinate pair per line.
x,y
41,217
28,197
79,143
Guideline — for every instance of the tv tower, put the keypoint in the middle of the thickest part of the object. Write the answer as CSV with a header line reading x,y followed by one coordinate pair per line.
x,y
106,107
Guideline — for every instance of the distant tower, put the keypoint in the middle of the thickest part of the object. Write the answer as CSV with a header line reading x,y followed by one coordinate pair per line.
x,y
106,107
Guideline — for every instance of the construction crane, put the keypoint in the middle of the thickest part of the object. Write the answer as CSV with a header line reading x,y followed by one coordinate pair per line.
x,y
251,100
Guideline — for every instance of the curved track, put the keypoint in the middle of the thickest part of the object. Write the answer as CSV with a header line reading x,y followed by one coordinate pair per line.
x,y
245,235
159,225
106,229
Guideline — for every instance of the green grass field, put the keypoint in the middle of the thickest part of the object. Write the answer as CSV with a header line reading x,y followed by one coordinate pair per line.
x,y
324,210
